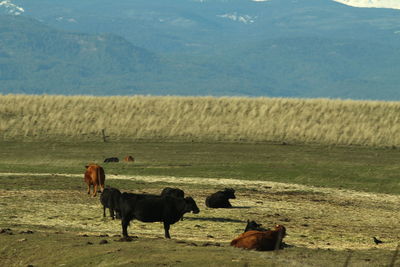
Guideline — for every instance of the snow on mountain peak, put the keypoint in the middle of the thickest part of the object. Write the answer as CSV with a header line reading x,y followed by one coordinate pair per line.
x,y
11,8
246,19
393,4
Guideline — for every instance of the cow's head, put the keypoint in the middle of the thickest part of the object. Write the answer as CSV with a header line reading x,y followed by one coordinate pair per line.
x,y
230,193
281,229
191,205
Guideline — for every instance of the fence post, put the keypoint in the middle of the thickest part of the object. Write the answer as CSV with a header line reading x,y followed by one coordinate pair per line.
x,y
103,132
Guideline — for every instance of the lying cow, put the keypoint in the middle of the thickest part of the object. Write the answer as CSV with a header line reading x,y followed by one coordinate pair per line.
x,y
107,160
261,240
129,159
253,226
220,199
110,198
153,208
94,175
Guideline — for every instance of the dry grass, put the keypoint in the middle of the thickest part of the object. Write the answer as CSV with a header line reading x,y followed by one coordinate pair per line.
x,y
322,121
315,217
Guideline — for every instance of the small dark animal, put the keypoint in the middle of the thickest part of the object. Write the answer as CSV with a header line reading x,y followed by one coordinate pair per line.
x,y
153,208
94,175
220,199
253,226
377,241
261,240
110,198
175,192
111,160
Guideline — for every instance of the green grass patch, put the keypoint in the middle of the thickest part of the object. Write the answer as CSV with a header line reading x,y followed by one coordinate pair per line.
x,y
358,168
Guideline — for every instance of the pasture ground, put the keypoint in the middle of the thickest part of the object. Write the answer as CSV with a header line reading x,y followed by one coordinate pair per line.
x,y
332,200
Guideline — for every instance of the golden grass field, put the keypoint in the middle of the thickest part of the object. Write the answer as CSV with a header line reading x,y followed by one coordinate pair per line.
x,y
323,121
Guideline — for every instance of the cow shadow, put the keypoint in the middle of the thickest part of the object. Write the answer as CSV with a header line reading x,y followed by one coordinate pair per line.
x,y
214,219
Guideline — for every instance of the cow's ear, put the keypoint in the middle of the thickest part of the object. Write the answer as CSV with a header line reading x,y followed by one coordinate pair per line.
x,y
86,166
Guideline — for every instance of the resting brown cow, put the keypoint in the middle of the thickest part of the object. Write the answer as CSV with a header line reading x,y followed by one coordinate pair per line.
x,y
95,176
129,159
261,240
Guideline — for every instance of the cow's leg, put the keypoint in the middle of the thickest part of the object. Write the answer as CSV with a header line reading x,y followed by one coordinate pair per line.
x,y
94,190
104,211
124,223
88,188
118,215
112,213
166,229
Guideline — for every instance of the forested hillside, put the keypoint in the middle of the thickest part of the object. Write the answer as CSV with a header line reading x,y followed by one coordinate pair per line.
x,y
315,48
35,58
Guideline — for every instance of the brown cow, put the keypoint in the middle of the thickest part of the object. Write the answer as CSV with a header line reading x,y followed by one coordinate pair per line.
x,y
261,240
129,159
95,176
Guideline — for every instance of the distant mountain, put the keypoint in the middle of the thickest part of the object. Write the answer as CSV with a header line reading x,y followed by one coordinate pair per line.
x,y
35,58
175,26
291,48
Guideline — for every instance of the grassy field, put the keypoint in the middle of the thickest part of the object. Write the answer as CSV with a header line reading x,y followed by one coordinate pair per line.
x,y
331,199
359,168
232,119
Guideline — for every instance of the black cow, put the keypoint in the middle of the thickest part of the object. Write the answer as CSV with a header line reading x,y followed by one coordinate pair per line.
x,y
111,160
220,199
253,226
153,208
110,198
174,192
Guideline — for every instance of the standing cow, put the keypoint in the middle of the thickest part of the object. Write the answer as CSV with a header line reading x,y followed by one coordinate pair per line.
x,y
174,192
153,208
110,198
220,199
95,176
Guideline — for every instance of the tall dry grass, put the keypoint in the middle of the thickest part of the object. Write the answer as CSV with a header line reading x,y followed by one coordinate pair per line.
x,y
372,123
